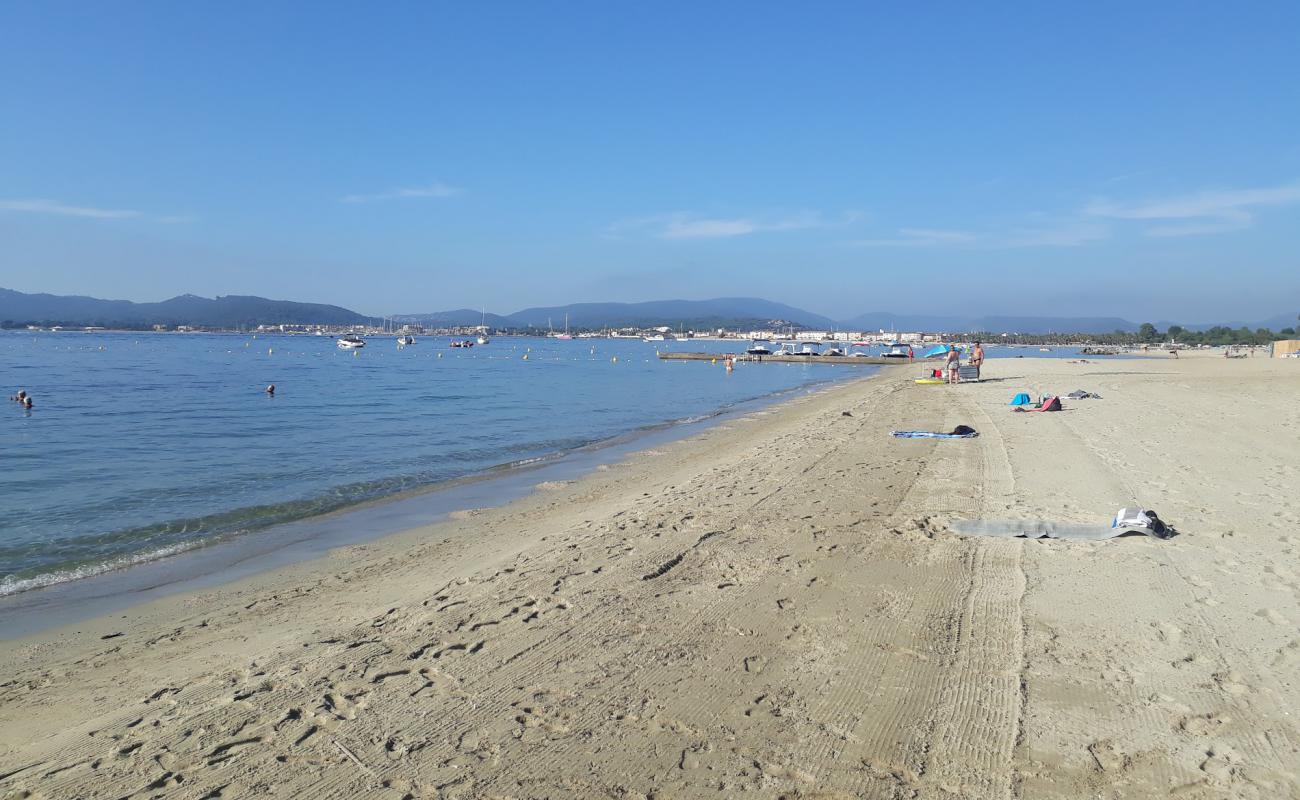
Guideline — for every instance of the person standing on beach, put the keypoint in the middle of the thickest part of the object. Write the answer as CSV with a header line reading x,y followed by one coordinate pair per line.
x,y
954,362
977,356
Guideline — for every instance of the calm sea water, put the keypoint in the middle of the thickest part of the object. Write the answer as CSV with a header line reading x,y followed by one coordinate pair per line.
x,y
143,445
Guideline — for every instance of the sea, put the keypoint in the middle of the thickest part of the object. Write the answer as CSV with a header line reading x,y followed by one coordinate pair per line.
x,y
143,446
146,446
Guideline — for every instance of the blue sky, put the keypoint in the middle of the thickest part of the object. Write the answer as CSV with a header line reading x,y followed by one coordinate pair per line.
x,y
1137,159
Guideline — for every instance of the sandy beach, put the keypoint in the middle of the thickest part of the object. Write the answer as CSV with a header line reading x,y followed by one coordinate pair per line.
x,y
775,607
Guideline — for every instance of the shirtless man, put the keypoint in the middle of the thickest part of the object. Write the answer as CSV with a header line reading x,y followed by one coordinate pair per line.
x,y
977,356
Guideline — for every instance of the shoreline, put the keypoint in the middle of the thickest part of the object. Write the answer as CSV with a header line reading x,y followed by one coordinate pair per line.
x,y
774,606
142,577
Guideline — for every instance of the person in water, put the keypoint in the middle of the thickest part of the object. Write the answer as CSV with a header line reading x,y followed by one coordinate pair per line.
x,y
20,397
27,402
270,390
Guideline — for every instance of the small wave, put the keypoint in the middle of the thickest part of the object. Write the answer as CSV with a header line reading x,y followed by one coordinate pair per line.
x,y
12,585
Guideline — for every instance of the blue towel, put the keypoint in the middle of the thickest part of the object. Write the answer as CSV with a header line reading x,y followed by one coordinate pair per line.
x,y
1021,399
932,435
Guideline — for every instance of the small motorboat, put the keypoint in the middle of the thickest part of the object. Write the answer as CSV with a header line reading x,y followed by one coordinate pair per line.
x,y
351,342
462,343
896,350
403,341
758,348
800,349
835,350
483,339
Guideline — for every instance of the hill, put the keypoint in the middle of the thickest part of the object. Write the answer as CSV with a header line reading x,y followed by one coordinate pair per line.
x,y
230,311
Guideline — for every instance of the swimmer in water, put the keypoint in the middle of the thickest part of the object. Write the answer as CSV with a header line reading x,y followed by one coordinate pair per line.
x,y
270,390
20,397
27,402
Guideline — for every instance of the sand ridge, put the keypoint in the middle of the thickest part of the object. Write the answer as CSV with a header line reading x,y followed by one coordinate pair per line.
x,y
774,607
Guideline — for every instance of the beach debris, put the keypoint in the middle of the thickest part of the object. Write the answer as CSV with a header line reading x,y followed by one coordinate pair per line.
x,y
353,758
846,413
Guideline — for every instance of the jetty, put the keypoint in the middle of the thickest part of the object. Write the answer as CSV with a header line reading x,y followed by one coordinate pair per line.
x,y
783,358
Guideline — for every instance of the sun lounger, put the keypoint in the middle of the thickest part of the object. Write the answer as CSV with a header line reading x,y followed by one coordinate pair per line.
x,y
968,372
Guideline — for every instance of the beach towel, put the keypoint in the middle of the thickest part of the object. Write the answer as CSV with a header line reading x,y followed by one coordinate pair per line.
x,y
1040,529
1080,394
1021,399
1050,404
959,432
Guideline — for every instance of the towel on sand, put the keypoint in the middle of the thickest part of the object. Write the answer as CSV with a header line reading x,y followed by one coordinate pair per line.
x,y
959,432
1039,529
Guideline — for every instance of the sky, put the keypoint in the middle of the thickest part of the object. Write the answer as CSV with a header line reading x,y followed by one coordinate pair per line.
x,y
1109,158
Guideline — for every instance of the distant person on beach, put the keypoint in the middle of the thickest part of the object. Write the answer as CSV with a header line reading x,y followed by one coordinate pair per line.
x,y
910,355
977,356
954,362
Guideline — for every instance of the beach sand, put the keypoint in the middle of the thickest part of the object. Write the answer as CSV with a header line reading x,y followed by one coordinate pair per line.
x,y
774,607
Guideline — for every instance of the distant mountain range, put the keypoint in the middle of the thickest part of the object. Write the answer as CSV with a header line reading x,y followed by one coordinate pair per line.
x,y
232,311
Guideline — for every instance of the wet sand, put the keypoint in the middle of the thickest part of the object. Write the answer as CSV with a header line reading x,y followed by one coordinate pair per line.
x,y
774,607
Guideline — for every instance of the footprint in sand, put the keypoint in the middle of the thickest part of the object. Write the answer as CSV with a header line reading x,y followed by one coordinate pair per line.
x,y
1271,615
1232,683
1168,632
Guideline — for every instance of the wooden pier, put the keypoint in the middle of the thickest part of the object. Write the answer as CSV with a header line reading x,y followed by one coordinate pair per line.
x,y
782,358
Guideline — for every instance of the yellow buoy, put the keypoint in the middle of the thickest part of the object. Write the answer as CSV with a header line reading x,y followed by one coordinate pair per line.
x,y
713,360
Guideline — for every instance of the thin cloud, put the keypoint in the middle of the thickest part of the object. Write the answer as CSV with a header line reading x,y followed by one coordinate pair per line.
x,y
682,226
1215,211
708,228
65,210
435,189
1066,234
922,237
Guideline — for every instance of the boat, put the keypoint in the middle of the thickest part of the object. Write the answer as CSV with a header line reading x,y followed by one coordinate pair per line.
x,y
800,349
655,337
462,343
896,350
351,342
564,335
483,329
483,339
758,348
402,341
835,350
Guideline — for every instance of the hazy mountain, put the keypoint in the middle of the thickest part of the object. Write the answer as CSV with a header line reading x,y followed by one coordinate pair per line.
x,y
231,311
691,313
459,318
997,324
